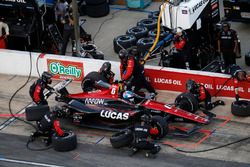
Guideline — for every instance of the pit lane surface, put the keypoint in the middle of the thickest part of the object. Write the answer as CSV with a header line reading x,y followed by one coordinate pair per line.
x,y
12,149
95,149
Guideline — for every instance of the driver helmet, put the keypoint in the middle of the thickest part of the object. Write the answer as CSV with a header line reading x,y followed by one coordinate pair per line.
x,y
129,96
191,85
46,77
106,70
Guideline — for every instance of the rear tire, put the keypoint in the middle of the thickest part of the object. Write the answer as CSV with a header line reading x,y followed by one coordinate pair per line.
x,y
64,143
161,124
121,139
187,101
241,108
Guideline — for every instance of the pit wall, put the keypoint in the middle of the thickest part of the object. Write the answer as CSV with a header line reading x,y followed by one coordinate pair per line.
x,y
18,63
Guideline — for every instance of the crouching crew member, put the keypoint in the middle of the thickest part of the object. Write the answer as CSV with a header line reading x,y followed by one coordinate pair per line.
x,y
202,95
142,138
37,88
132,72
104,74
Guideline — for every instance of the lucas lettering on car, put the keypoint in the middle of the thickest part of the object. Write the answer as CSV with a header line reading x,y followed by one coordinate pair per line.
x,y
93,101
114,115
58,68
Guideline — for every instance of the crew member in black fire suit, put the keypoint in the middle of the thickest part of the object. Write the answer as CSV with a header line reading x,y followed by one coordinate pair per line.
x,y
228,44
37,88
202,95
104,74
142,138
132,71
48,125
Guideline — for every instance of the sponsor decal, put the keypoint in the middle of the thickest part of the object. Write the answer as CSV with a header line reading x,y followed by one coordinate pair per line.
x,y
93,101
65,69
114,115
167,81
168,106
199,4
15,1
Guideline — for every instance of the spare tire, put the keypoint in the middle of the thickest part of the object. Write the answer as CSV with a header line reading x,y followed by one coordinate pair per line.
x,y
161,124
95,2
187,101
144,44
241,108
121,139
138,32
153,33
67,142
247,59
126,41
154,15
149,23
97,10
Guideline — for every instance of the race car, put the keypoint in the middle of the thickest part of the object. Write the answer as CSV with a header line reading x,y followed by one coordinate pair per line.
x,y
108,109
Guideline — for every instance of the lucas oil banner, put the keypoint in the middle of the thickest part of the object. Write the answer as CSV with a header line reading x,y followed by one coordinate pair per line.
x,y
216,85
62,69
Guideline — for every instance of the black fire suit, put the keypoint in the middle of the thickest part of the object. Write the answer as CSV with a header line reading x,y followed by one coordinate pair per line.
x,y
89,81
36,92
141,134
133,72
227,42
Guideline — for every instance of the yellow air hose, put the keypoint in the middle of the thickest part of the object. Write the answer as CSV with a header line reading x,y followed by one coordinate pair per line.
x,y
157,36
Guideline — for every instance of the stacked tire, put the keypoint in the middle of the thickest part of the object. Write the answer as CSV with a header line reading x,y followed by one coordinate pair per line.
x,y
247,59
241,108
97,8
142,35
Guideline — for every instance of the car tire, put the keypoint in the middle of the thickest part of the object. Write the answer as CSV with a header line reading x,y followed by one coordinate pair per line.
x,y
153,33
126,41
144,44
187,101
138,32
241,108
36,113
95,2
161,124
247,59
67,142
97,10
121,139
154,15
149,23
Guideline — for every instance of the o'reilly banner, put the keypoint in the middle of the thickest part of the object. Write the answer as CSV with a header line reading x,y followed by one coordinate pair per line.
x,y
62,69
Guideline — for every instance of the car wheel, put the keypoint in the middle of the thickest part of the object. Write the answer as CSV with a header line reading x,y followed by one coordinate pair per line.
x,y
149,23
67,142
241,108
187,101
126,41
162,126
154,15
153,33
138,32
95,2
121,139
36,113
97,10
247,59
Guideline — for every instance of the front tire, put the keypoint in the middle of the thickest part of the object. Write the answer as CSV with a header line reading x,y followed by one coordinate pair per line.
x,y
121,139
187,101
162,126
